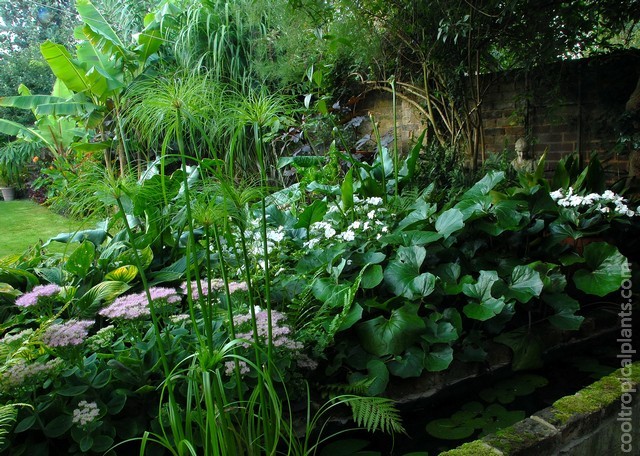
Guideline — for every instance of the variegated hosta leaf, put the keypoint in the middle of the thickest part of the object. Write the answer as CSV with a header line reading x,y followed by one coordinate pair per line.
x,y
123,274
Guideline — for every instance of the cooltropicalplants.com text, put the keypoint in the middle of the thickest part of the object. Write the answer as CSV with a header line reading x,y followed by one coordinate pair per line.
x,y
626,355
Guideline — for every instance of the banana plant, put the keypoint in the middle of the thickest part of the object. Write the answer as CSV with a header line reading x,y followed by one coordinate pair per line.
x,y
89,85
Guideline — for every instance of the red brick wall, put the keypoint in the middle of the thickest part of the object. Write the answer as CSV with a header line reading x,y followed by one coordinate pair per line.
x,y
571,106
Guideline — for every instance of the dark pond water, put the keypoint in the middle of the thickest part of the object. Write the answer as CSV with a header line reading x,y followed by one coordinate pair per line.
x,y
484,405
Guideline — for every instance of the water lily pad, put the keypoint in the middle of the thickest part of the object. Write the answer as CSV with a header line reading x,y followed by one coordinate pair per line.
x,y
447,429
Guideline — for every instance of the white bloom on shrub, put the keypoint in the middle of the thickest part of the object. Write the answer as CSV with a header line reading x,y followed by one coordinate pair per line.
x,y
311,243
371,215
276,235
356,225
329,232
569,199
374,201
85,413
348,235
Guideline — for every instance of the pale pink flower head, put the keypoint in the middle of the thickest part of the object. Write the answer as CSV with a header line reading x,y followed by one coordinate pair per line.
x,y
136,305
68,334
31,298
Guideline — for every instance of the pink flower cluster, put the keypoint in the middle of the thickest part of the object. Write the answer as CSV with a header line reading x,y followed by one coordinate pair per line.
x,y
70,333
230,366
216,285
31,299
136,305
279,330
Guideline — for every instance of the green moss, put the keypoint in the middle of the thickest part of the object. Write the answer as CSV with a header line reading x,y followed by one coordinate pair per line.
x,y
594,397
510,438
475,448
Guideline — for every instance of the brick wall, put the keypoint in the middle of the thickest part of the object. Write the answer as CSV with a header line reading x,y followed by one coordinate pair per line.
x,y
566,107
571,106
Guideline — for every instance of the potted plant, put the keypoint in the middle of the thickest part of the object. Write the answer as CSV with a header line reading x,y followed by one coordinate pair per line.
x,y
14,157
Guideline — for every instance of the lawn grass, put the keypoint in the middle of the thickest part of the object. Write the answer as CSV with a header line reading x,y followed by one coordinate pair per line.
x,y
23,223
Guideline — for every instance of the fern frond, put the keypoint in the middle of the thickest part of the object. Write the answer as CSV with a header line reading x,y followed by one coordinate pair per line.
x,y
357,388
376,413
8,415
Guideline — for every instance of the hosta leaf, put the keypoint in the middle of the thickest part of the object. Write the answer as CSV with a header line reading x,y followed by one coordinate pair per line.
x,y
123,274
80,261
104,291
607,268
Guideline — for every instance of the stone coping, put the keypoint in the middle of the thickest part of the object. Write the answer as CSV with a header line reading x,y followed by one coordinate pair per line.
x,y
552,430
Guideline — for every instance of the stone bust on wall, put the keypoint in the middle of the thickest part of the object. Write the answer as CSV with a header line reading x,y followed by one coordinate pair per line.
x,y
524,162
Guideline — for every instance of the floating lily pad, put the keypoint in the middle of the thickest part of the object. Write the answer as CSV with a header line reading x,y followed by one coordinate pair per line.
x,y
506,391
447,429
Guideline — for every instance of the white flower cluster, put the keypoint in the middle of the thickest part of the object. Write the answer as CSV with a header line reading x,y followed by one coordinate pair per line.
x,y
607,203
85,413
366,208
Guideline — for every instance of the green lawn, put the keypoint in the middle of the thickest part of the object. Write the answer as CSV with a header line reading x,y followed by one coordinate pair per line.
x,y
23,223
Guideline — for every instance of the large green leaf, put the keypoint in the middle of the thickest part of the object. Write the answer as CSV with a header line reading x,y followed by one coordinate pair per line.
x,y
403,274
565,307
382,336
607,268
439,332
413,237
103,292
80,261
483,305
526,346
409,364
69,72
372,276
123,274
439,358
346,191
449,222
420,213
98,30
485,185
525,283
312,214
97,237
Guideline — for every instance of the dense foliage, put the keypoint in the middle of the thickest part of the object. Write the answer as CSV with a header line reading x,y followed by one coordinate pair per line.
x,y
246,259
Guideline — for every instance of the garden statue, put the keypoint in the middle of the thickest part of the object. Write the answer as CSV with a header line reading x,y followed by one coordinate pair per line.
x,y
523,162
